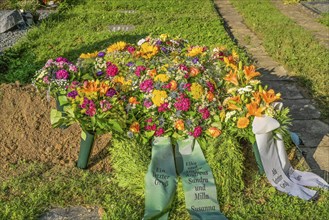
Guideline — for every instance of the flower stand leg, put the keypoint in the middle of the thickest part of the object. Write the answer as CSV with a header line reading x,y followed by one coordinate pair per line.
x,y
85,150
160,180
198,181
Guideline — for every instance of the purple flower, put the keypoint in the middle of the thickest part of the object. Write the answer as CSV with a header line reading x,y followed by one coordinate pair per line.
x,y
146,86
61,59
164,49
197,131
72,94
112,70
182,103
195,60
130,64
101,54
158,42
99,73
111,92
62,74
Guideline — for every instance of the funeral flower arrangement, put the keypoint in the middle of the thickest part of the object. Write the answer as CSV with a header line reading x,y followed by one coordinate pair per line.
x,y
55,76
160,87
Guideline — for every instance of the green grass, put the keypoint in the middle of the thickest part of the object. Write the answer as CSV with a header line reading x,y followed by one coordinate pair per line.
x,y
291,45
324,19
85,28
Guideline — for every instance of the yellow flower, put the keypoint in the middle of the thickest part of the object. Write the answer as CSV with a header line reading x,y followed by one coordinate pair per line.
x,y
134,127
195,51
117,46
214,132
118,79
158,97
179,125
243,122
163,37
162,78
196,91
148,51
88,55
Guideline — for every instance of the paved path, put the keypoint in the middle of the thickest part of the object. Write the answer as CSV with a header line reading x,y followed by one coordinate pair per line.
x,y
306,118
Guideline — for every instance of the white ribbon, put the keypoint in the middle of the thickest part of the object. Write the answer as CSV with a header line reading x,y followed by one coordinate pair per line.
x,y
275,161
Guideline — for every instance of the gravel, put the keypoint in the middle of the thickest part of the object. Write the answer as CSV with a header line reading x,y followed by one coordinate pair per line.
x,y
9,38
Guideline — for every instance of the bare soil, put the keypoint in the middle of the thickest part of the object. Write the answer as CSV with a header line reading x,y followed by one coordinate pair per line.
x,y
26,133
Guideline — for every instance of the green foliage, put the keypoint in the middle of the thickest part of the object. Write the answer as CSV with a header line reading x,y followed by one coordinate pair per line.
x,y
324,19
291,45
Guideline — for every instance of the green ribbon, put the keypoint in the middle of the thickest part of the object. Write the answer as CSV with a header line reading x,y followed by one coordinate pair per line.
x,y
160,180
258,160
198,181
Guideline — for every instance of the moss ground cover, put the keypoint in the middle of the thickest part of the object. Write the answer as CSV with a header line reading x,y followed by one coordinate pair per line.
x,y
291,45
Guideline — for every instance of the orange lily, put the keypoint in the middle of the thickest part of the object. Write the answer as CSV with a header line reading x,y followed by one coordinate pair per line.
x,y
250,72
232,101
253,109
90,86
134,127
232,78
210,96
133,100
103,88
173,85
152,73
256,96
270,96
194,71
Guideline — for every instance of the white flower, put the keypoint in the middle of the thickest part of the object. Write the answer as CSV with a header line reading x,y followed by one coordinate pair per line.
x,y
141,41
229,115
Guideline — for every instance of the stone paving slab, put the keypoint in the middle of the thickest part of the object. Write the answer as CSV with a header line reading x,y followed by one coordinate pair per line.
x,y
310,131
287,89
274,73
322,152
72,213
301,109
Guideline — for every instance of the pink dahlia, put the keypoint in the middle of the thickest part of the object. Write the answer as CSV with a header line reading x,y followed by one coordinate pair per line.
x,y
112,70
